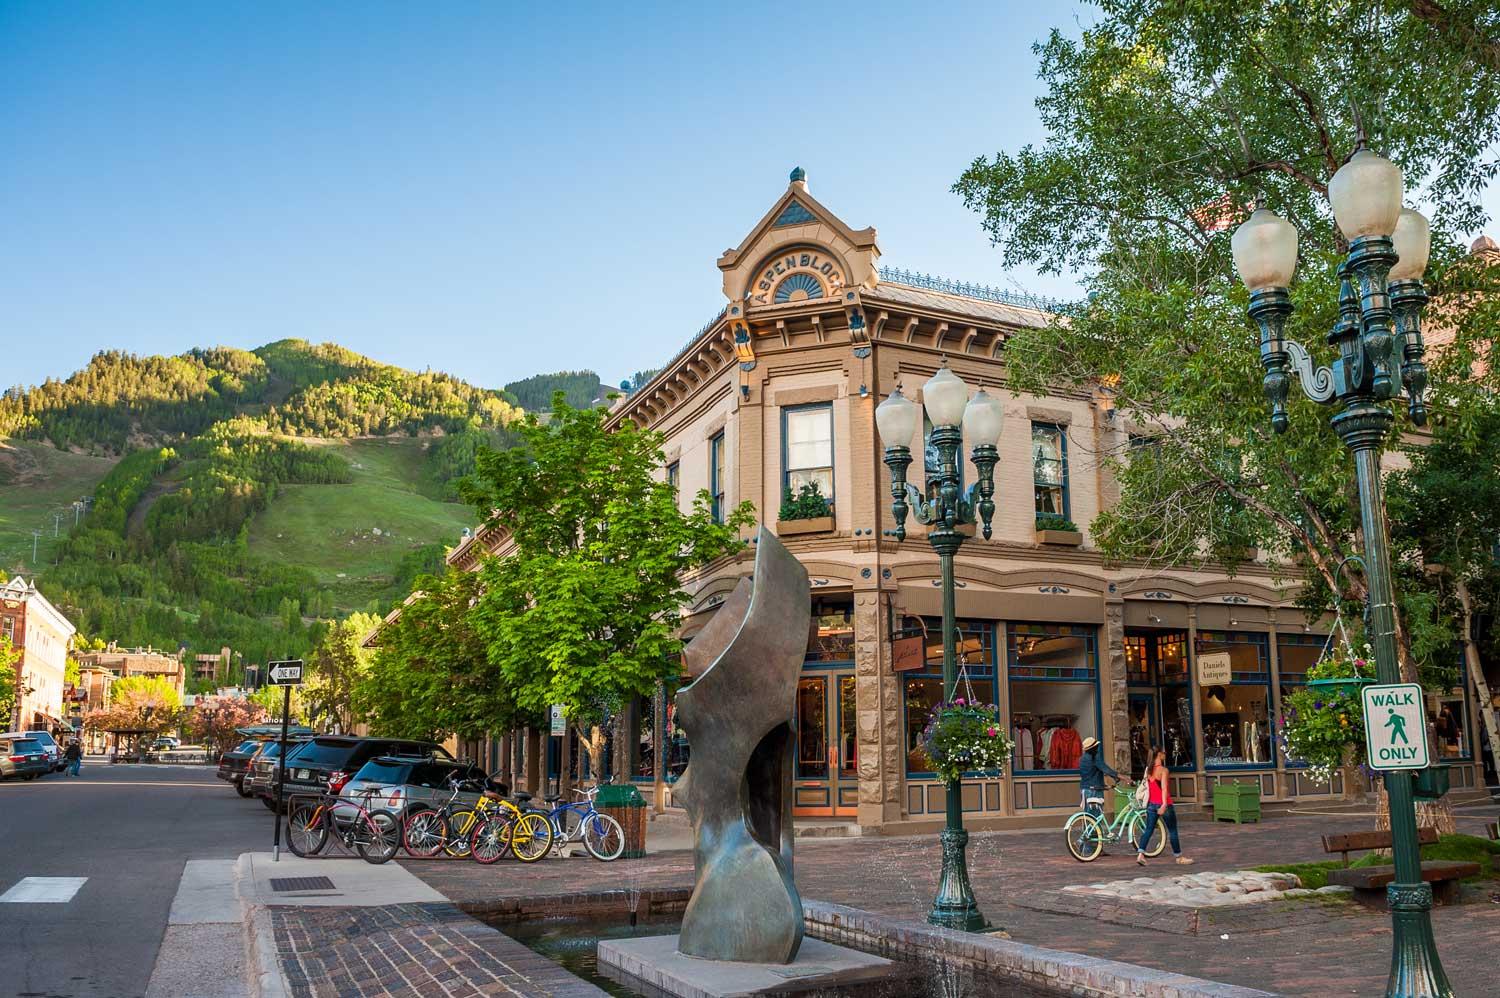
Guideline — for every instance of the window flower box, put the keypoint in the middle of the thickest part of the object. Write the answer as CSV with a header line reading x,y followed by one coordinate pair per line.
x,y
809,525
1069,538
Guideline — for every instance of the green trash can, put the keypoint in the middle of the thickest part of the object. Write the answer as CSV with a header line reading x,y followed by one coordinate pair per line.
x,y
1432,782
623,802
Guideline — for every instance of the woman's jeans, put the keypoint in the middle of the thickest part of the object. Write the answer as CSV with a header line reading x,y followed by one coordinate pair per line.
x,y
74,765
1168,817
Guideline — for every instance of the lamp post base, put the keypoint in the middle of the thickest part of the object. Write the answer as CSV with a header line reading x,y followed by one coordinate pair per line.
x,y
955,907
1415,970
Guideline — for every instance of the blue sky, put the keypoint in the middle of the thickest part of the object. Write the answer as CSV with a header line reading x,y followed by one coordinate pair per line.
x,y
490,189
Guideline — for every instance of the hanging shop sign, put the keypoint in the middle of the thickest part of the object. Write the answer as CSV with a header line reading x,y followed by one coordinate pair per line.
x,y
1214,669
908,654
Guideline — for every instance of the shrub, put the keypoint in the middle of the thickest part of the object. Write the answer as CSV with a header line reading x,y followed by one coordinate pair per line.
x,y
808,504
1055,521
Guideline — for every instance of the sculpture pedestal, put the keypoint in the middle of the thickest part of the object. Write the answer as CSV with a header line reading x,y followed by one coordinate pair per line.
x,y
652,965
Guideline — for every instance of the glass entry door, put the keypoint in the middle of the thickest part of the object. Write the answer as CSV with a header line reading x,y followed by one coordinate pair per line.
x,y
1145,731
826,777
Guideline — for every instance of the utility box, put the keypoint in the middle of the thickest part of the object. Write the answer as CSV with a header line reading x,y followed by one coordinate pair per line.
x,y
1237,802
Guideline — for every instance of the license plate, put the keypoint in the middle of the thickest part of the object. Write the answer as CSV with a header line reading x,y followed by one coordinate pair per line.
x,y
304,774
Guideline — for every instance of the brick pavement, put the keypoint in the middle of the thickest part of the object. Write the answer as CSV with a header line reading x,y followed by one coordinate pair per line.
x,y
410,951
1347,954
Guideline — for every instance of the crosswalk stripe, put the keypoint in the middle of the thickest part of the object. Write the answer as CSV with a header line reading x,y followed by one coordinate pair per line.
x,y
43,890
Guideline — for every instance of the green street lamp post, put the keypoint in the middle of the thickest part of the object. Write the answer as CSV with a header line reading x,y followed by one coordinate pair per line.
x,y
954,416
1379,340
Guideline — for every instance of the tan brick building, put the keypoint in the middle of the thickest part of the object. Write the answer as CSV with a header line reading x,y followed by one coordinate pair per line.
x,y
41,633
780,389
123,662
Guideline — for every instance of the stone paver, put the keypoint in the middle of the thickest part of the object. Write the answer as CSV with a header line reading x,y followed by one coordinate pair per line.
x,y
410,951
1198,890
1346,953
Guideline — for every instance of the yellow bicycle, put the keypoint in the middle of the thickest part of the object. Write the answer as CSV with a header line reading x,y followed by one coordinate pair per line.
x,y
503,827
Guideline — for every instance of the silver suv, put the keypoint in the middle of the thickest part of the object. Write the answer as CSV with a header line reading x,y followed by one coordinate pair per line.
x,y
403,784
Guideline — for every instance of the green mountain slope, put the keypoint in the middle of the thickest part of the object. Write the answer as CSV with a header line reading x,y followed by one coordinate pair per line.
x,y
238,496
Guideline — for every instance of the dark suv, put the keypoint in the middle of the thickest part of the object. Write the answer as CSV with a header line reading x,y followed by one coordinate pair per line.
x,y
333,759
234,764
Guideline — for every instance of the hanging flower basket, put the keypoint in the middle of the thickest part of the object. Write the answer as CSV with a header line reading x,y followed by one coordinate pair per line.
x,y
965,736
1323,723
1350,685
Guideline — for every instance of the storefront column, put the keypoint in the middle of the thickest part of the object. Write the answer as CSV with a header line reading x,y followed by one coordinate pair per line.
x,y
1273,707
1116,688
565,765
658,749
534,749
877,703
1203,793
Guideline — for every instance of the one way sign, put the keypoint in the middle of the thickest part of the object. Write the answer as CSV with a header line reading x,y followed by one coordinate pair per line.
x,y
288,673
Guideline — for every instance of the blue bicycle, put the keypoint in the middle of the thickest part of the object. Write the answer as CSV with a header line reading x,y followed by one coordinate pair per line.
x,y
578,821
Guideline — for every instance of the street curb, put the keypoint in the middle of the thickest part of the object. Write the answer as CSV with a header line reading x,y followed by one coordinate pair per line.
x,y
262,964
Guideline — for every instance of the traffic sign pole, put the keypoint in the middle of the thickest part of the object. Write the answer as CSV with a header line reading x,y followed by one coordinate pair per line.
x,y
286,711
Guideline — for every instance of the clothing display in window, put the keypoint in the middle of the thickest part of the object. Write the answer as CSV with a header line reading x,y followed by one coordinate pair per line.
x,y
1065,750
1046,743
1025,751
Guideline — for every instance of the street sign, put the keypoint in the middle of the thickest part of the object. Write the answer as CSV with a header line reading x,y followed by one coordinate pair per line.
x,y
287,673
1214,669
559,720
1395,727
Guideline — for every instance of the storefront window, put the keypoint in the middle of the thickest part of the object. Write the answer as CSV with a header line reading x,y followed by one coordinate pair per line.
x,y
1448,715
831,637
1236,712
643,739
1295,655
1156,663
676,751
923,690
1054,694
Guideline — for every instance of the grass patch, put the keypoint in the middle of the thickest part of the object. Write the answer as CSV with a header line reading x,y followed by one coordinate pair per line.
x,y
36,480
331,529
1453,848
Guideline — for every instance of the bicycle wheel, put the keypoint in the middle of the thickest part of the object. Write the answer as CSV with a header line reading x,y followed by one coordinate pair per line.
x,y
491,839
460,830
603,837
531,838
377,837
1085,837
306,829
424,833
1158,836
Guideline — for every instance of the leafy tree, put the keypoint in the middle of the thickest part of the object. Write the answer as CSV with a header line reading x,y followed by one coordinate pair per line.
x,y
147,703
1167,122
431,675
215,720
9,657
582,607
269,699
337,665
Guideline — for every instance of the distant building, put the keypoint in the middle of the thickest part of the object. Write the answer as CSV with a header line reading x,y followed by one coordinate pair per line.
x,y
212,667
125,662
41,633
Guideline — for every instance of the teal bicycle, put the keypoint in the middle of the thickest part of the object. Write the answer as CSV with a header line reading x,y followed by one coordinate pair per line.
x,y
1088,831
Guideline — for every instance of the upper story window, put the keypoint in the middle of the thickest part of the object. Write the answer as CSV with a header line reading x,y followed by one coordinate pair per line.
x,y
716,475
932,461
674,476
8,628
807,448
1049,469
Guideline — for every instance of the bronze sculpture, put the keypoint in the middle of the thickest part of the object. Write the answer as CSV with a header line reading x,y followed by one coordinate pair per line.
x,y
738,787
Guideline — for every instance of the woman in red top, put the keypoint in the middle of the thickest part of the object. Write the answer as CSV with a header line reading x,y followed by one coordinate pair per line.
x,y
1159,807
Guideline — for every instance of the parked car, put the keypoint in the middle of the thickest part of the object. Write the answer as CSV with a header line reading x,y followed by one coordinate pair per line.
x,y
166,743
23,757
260,777
404,783
54,750
328,761
234,764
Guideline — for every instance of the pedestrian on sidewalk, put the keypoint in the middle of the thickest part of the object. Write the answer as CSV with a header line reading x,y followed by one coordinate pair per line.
x,y
1159,808
74,757
1092,772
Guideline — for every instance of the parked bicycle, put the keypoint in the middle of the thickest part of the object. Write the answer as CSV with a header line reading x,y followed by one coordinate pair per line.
x,y
375,835
449,828
504,827
578,821
1087,832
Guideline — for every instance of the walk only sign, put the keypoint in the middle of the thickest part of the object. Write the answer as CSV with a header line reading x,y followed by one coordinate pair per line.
x,y
1395,727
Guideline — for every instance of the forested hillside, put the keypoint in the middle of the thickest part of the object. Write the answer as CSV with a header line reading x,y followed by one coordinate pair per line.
x,y
245,495
535,393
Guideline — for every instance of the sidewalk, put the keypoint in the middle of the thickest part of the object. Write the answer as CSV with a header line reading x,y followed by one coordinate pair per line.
x,y
1347,953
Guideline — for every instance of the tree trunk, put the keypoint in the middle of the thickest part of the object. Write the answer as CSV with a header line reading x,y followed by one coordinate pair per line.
x,y
1436,814
1476,671
592,740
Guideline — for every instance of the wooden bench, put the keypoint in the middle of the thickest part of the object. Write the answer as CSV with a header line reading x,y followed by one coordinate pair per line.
x,y
1370,882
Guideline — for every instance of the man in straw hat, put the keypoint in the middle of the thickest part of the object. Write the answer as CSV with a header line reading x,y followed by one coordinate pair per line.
x,y
1092,772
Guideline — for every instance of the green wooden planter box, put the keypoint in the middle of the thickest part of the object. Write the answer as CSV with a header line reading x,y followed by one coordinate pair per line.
x,y
1237,802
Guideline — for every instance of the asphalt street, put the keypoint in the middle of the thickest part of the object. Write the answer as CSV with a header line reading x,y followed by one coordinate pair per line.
x,y
127,829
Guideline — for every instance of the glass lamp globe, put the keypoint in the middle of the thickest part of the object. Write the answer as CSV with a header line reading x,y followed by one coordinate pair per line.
x,y
944,396
984,418
1366,195
896,419
1265,250
1413,239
